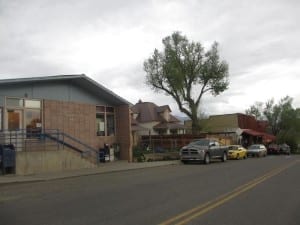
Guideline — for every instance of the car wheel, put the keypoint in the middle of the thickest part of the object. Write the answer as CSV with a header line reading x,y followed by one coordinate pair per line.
x,y
237,156
184,161
206,159
224,157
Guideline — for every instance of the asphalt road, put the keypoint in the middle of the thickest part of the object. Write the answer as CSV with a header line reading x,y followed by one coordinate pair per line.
x,y
254,191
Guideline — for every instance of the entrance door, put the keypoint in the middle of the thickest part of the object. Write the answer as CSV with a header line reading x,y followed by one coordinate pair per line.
x,y
14,120
15,127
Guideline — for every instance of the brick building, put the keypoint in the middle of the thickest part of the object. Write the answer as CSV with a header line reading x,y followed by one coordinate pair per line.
x,y
73,104
243,129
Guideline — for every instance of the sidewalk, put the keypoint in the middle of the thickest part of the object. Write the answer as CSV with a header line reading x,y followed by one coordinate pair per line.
x,y
102,168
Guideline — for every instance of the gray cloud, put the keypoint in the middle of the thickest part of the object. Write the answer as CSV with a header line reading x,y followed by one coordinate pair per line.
x,y
109,41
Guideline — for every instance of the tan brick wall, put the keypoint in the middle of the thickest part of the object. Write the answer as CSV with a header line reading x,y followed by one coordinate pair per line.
x,y
75,119
79,120
124,132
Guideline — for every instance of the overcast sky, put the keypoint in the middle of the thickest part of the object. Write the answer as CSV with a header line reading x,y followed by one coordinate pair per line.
x,y
109,41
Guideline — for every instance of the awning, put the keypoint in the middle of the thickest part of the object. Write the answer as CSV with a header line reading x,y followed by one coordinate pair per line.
x,y
252,132
266,137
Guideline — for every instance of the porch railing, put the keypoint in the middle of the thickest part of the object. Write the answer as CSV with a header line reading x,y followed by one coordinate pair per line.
x,y
46,139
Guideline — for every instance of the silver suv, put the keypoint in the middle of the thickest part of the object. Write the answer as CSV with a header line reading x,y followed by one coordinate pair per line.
x,y
257,150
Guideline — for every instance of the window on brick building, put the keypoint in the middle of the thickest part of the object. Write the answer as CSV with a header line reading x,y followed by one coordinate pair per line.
x,y
110,124
100,120
105,121
24,114
33,122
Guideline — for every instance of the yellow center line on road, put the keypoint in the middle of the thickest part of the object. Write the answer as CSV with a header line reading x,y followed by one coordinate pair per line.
x,y
185,217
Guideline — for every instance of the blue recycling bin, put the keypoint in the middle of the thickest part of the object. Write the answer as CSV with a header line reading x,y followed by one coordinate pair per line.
x,y
7,158
102,155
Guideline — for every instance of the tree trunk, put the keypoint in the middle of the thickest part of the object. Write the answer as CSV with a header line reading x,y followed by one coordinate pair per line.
x,y
195,125
194,118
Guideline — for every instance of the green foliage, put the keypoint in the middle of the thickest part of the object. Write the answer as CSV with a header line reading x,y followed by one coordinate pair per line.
x,y
277,114
184,71
290,138
290,129
138,154
283,119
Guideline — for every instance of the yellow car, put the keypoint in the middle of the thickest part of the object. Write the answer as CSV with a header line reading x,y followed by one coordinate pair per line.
x,y
237,152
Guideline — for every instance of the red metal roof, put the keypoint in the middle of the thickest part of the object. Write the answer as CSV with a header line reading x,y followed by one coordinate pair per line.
x,y
252,132
266,137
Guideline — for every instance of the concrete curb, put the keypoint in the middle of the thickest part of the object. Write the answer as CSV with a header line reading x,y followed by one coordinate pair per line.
x,y
101,169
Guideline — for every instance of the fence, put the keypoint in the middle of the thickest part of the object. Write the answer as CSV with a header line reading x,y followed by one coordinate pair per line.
x,y
28,140
48,139
163,143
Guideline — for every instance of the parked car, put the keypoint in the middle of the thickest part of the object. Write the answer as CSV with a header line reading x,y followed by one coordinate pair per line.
x,y
285,149
257,150
273,149
237,152
203,150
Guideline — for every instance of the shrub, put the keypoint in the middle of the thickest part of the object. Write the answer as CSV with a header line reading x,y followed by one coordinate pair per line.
x,y
138,154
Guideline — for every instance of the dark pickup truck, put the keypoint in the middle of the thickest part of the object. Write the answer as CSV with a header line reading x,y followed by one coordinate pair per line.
x,y
203,150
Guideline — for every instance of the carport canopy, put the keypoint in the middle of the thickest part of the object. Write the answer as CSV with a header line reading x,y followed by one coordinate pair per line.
x,y
267,137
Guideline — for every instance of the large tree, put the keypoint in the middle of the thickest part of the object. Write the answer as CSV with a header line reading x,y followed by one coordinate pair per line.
x,y
290,132
256,110
280,116
184,71
276,114
283,119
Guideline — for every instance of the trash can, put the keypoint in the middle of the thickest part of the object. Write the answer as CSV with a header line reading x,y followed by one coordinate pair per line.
x,y
7,159
106,149
102,155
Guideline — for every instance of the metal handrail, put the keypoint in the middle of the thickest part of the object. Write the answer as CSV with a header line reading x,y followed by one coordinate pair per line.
x,y
21,137
62,138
